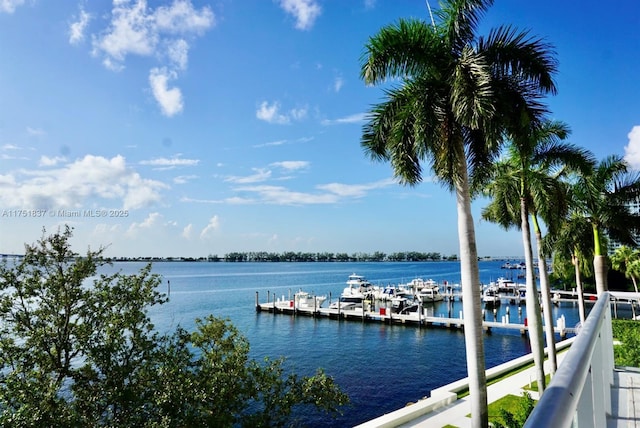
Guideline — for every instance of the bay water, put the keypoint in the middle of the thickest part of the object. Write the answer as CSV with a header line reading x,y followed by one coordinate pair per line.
x,y
381,367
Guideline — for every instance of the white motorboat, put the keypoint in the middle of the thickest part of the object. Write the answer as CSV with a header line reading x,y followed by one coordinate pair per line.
x,y
390,291
490,296
303,299
429,293
300,300
353,296
398,303
357,281
349,302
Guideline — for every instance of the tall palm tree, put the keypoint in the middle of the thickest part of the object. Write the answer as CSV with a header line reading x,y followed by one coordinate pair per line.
x,y
457,92
527,184
602,195
572,240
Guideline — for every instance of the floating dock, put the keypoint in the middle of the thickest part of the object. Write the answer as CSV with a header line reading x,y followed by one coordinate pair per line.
x,y
384,315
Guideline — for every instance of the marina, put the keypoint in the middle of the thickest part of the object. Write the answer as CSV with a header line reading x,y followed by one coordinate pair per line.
x,y
381,366
385,314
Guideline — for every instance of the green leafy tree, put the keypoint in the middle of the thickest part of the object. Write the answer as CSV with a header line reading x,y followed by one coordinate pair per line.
x,y
77,348
457,93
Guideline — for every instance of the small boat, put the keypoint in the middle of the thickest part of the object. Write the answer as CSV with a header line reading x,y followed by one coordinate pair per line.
x,y
301,300
429,293
390,291
404,306
490,296
349,302
357,281
304,299
353,296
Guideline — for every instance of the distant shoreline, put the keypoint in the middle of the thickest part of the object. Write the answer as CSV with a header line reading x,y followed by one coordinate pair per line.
x,y
245,258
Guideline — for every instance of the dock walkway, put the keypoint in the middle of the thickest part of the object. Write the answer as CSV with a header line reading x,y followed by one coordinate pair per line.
x,y
384,315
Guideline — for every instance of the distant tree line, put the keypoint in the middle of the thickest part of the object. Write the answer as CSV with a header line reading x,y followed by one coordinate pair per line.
x,y
290,256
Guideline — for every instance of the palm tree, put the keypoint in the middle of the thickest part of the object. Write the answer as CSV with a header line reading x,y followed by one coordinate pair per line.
x,y
457,93
527,184
627,261
602,195
572,240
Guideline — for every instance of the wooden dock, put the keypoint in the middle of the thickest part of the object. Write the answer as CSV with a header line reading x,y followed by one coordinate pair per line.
x,y
384,315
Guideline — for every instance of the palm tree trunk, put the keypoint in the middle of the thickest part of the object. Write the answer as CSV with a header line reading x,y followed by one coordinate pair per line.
x,y
599,263
635,283
472,304
576,264
546,299
534,317
600,272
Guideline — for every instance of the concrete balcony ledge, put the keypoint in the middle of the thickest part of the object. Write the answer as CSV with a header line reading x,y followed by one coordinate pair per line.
x,y
447,396
412,411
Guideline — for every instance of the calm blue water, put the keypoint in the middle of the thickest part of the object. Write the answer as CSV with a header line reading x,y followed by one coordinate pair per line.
x,y
381,367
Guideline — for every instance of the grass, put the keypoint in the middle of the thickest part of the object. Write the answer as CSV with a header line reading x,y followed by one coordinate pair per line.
x,y
511,403
497,379
465,392
533,386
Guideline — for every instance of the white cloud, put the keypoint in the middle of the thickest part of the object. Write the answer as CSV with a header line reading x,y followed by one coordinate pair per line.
x,y
298,113
187,232
278,195
271,113
148,223
214,224
329,194
273,143
169,99
184,179
131,32
304,11
136,30
77,28
178,52
9,6
291,165
170,162
260,175
10,147
47,161
354,118
7,180
79,185
632,150
355,190
182,18
35,132
162,33
338,84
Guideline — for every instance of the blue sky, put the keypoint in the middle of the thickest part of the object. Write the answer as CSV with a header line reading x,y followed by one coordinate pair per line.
x,y
189,127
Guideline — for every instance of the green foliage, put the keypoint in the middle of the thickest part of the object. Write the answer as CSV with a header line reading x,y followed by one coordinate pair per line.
x,y
514,412
79,349
627,332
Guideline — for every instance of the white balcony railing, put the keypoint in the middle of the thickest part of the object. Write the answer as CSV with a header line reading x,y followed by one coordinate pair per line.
x,y
579,395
